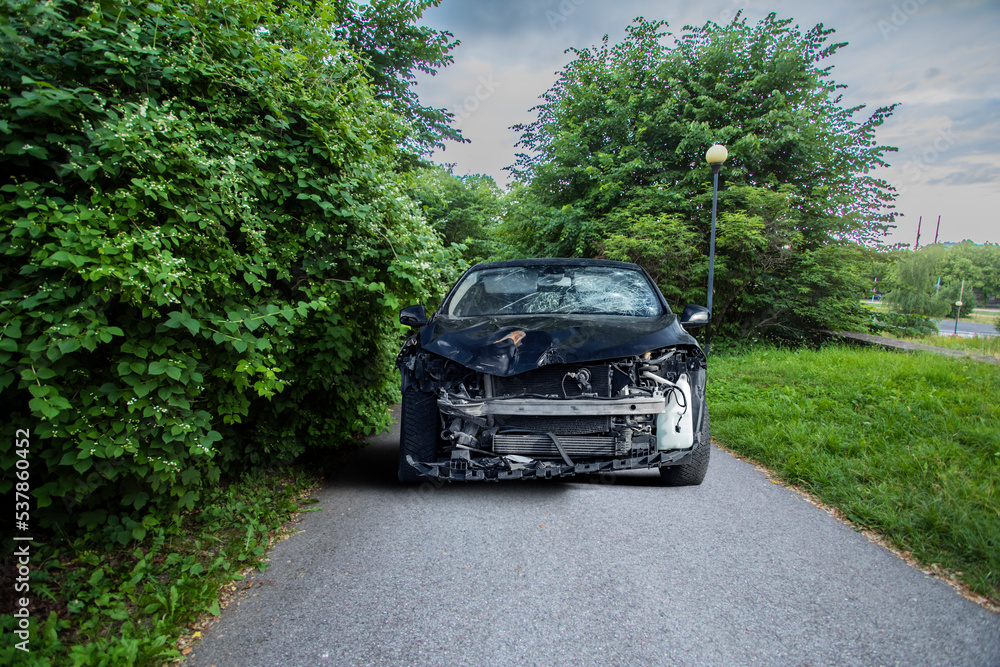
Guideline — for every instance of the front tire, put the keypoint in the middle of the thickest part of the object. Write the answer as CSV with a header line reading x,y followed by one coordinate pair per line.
x,y
693,472
418,432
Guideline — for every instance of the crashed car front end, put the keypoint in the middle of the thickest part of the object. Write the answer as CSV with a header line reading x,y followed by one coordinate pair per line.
x,y
564,419
552,394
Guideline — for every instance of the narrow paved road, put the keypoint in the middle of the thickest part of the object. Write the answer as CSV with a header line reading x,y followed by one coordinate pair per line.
x,y
966,329
738,571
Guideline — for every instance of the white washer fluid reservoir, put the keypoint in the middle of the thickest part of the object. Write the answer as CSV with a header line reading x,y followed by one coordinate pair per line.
x,y
675,427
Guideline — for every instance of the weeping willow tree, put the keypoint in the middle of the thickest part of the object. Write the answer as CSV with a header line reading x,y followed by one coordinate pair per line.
x,y
916,288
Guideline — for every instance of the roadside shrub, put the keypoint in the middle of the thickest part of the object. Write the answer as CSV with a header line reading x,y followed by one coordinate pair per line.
x,y
901,325
204,245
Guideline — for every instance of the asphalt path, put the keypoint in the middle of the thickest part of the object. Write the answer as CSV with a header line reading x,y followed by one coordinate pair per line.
x,y
965,329
613,571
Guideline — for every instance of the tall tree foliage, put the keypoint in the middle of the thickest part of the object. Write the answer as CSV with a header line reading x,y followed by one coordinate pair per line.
x,y
460,208
395,46
204,245
915,289
615,165
929,280
978,265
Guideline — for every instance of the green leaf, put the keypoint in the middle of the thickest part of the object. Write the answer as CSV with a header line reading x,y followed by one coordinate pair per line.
x,y
119,613
143,389
40,391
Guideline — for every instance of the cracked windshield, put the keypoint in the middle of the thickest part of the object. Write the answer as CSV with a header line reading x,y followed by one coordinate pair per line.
x,y
560,289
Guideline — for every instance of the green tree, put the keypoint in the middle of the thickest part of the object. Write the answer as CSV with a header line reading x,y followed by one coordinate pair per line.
x,y
618,148
929,280
205,243
460,208
915,279
879,267
395,47
532,228
977,265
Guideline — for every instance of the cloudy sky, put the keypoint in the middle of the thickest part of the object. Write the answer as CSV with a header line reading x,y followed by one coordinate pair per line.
x,y
940,59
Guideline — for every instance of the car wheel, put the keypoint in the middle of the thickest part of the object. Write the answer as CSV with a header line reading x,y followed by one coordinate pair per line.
x,y
418,433
693,472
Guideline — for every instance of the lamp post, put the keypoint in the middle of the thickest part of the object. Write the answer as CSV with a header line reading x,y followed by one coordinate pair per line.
x,y
959,304
715,156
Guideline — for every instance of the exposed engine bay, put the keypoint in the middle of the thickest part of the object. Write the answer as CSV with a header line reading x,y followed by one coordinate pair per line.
x,y
642,411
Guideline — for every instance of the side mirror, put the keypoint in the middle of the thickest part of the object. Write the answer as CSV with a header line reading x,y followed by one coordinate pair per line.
x,y
695,316
413,316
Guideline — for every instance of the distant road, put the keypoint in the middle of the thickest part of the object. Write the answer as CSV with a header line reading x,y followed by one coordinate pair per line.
x,y
965,329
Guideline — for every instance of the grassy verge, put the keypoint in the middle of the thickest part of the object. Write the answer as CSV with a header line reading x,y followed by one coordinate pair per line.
x,y
131,606
987,345
981,316
906,445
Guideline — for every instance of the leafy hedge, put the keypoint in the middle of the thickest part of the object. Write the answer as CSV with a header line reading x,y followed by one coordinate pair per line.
x,y
204,244
904,325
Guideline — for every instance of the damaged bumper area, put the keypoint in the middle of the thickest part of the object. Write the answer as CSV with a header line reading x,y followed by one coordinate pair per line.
x,y
567,419
464,468
533,407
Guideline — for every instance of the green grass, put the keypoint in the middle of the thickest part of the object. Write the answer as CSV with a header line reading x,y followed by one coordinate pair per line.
x,y
987,345
906,445
980,316
130,606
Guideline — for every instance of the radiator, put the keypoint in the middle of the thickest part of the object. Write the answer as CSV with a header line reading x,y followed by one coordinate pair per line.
x,y
542,446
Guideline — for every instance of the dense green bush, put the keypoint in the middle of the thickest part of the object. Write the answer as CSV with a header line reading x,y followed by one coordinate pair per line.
x,y
204,243
129,605
904,325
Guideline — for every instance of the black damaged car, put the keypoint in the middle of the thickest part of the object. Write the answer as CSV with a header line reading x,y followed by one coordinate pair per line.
x,y
546,368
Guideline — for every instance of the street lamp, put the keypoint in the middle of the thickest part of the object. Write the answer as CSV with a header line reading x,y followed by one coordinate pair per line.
x,y
959,303
715,156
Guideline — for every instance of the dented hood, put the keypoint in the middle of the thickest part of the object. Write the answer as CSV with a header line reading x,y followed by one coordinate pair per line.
x,y
507,345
